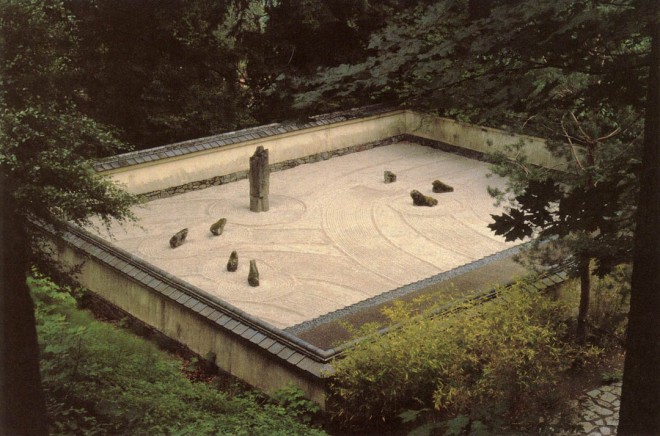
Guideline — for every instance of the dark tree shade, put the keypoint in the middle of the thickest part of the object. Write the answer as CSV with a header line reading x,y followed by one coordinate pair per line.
x,y
46,146
22,406
640,400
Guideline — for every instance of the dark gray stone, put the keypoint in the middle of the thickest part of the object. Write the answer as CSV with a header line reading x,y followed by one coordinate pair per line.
x,y
219,226
439,187
390,177
253,277
232,264
259,180
178,238
420,199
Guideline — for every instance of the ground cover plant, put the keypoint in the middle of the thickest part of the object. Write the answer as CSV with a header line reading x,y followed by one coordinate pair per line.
x,y
493,367
100,379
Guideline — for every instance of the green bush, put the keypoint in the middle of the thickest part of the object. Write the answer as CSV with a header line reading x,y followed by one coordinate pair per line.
x,y
608,309
100,379
292,398
495,364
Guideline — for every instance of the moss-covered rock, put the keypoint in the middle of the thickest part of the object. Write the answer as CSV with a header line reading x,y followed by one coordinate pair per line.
x,y
178,238
420,199
232,264
218,227
440,187
253,277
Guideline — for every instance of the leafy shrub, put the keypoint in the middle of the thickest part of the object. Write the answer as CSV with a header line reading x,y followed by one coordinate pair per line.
x,y
292,398
609,305
99,379
496,364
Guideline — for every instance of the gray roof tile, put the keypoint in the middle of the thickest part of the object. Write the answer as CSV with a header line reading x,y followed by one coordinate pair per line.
x,y
160,286
309,365
239,329
295,358
266,343
249,333
172,292
190,303
259,337
206,311
276,348
175,295
214,315
285,353
231,324
151,282
140,275
199,306
223,320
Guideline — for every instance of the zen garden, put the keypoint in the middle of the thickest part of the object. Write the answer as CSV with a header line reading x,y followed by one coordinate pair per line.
x,y
283,217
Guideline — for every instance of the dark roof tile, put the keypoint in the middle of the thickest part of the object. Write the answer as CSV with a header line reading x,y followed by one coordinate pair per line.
x,y
258,338
214,315
239,329
231,324
276,347
223,320
285,353
266,343
309,365
206,311
295,358
249,333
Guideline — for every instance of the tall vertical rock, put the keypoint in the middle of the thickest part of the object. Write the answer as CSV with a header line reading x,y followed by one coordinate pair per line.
x,y
253,276
259,180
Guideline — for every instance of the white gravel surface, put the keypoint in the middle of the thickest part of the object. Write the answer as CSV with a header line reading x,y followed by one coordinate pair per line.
x,y
335,234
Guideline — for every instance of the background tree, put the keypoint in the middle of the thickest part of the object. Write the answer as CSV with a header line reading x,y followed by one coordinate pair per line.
x,y
640,398
46,146
298,37
159,71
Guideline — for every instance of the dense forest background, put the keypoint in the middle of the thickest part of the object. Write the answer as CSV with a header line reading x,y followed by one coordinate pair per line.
x,y
82,79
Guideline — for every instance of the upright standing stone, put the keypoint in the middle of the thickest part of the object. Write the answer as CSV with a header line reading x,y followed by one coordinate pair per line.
x,y
390,177
253,277
232,264
259,180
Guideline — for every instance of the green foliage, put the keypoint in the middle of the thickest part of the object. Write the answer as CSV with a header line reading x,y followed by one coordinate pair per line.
x,y
497,363
292,398
46,144
99,379
609,306
588,207
495,60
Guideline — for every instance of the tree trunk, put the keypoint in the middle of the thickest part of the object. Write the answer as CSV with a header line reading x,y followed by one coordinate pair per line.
x,y
640,399
22,406
585,292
